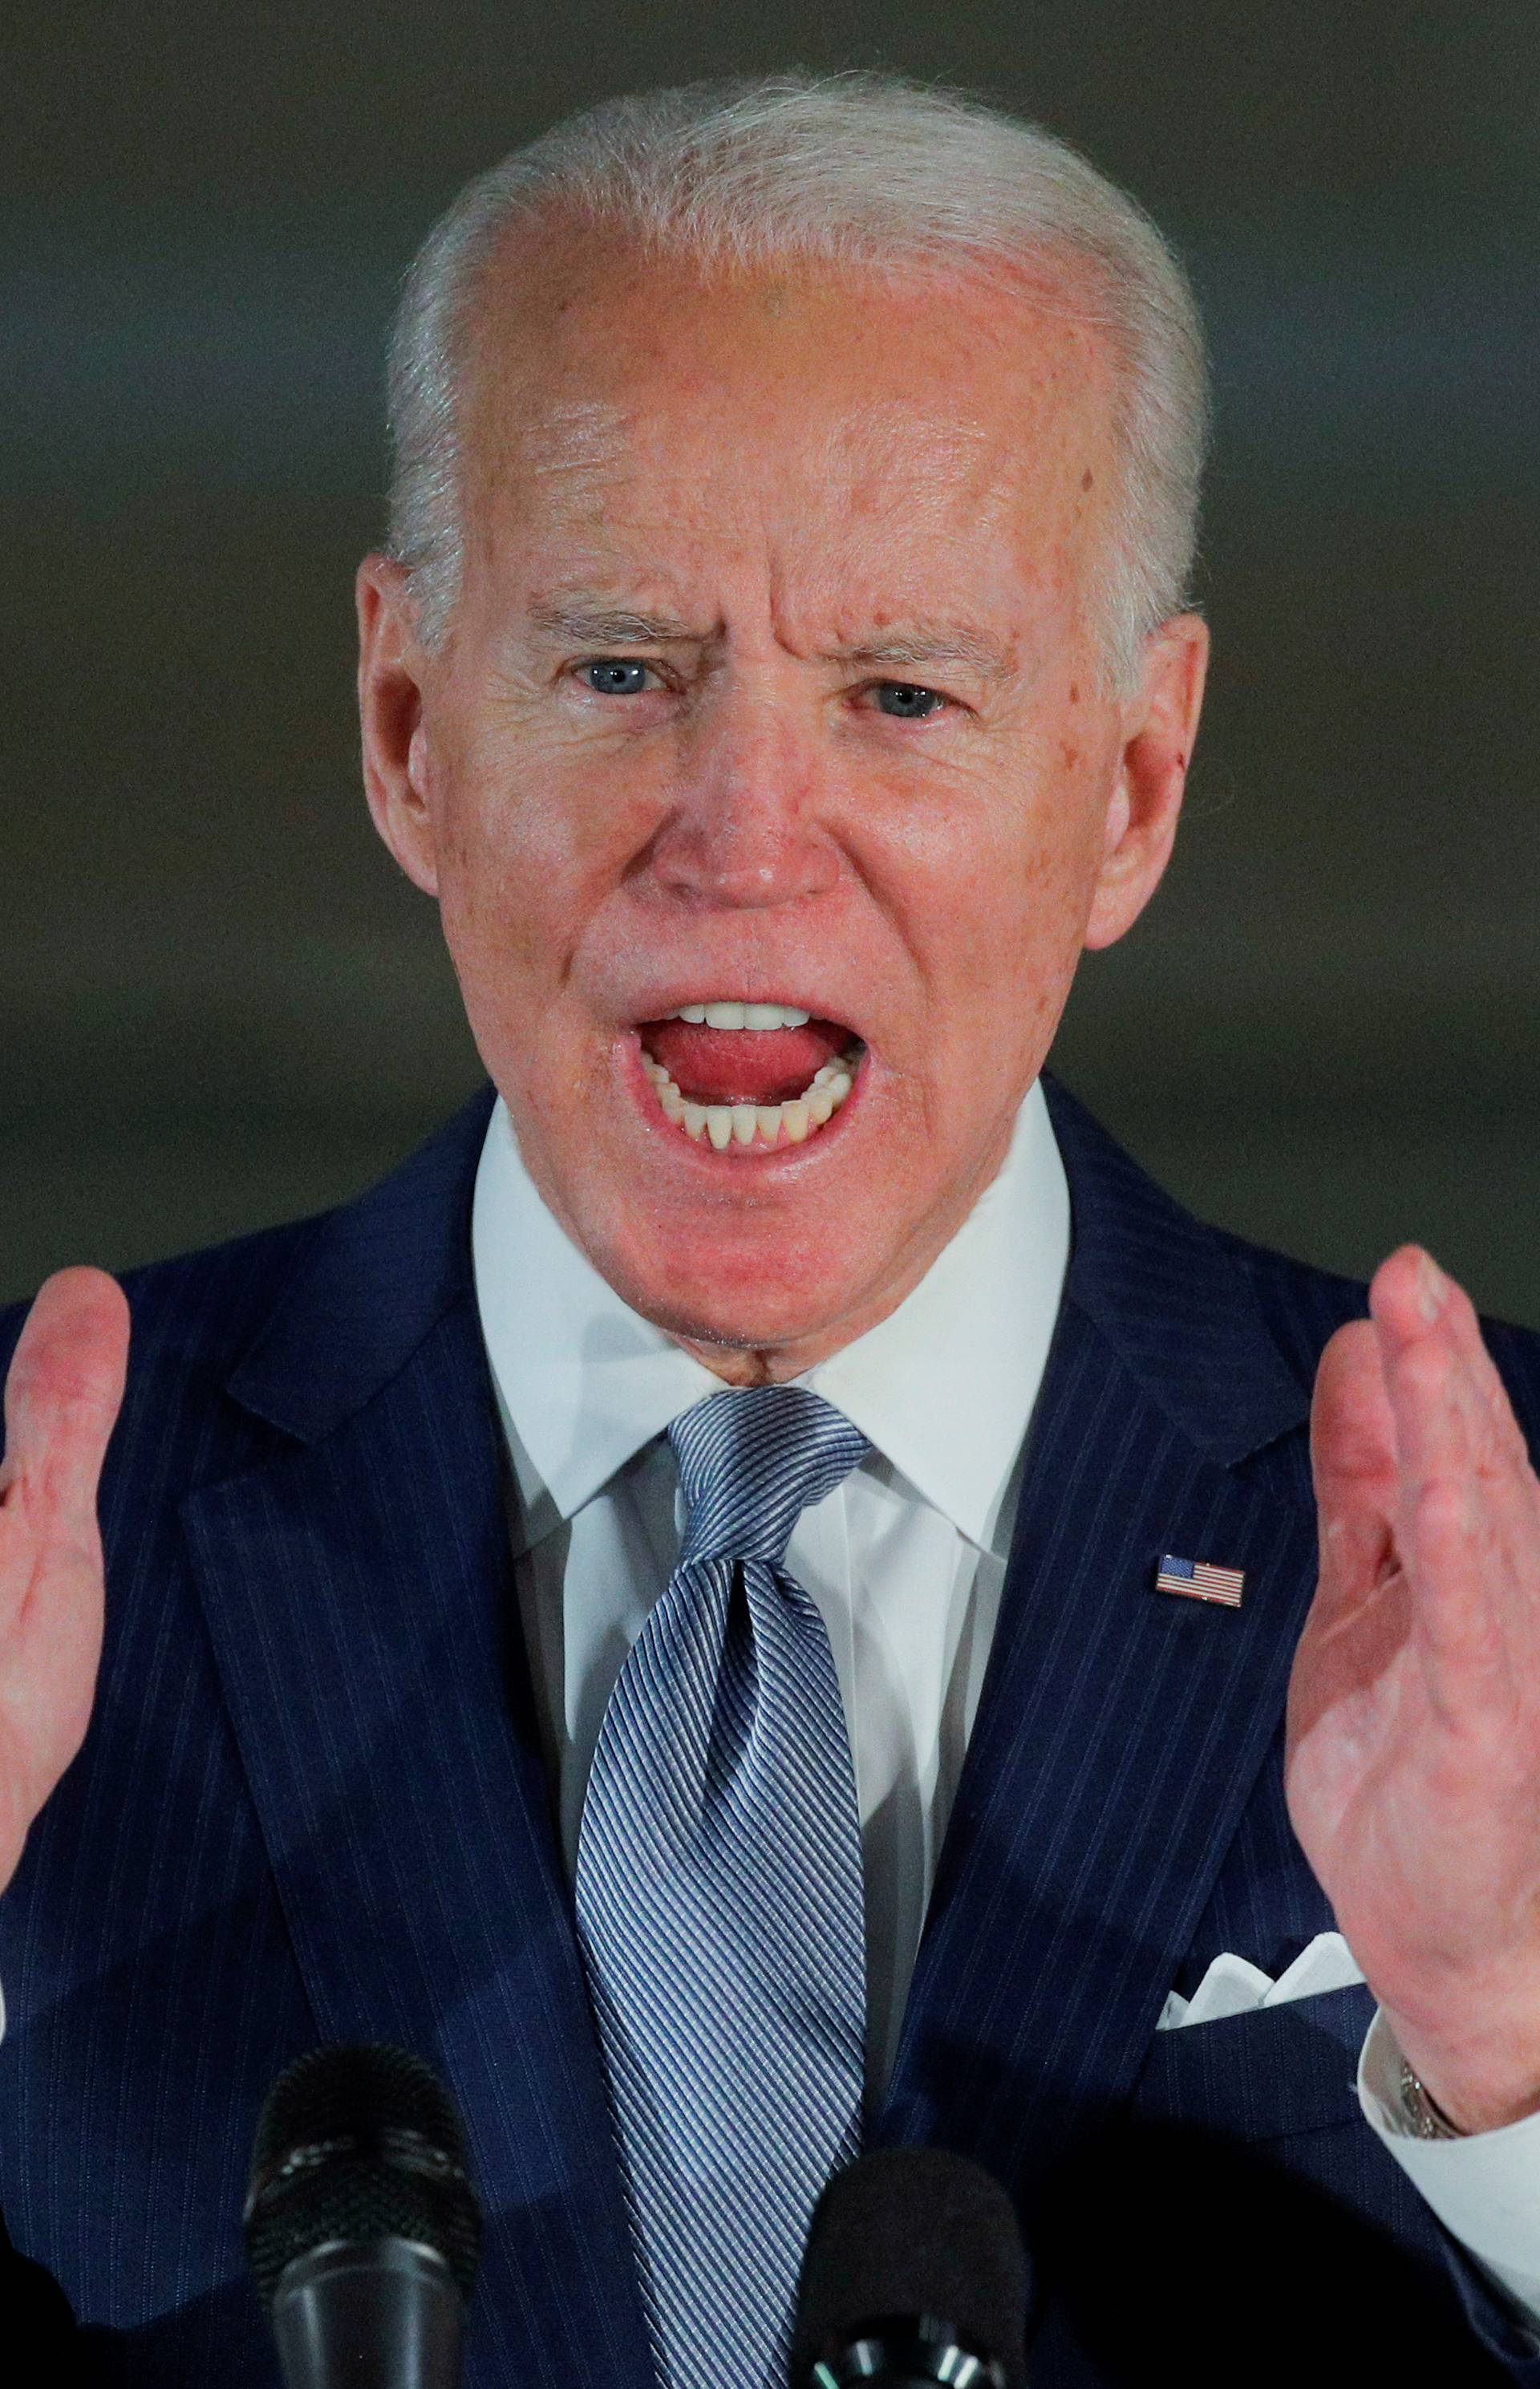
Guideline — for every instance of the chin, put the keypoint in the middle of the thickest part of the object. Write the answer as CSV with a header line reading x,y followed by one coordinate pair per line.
x,y
748,1291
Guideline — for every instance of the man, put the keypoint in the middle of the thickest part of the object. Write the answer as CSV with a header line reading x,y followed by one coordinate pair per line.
x,y
733,1502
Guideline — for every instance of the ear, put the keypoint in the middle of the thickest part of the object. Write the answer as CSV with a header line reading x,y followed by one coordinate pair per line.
x,y
1159,726
391,669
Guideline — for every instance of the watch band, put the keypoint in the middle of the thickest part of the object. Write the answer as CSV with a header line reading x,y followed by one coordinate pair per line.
x,y
1422,2110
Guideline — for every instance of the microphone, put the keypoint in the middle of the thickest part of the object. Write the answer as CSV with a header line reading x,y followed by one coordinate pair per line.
x,y
914,2273
362,2227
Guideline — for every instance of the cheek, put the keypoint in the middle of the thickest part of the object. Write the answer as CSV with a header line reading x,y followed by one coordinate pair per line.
x,y
1019,872
531,847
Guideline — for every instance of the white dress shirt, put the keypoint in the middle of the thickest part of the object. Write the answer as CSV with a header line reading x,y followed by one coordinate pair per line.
x,y
905,1562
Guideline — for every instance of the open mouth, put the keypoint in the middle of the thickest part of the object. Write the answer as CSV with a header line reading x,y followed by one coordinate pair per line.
x,y
748,1077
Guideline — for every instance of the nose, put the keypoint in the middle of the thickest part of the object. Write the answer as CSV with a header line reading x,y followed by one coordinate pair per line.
x,y
744,831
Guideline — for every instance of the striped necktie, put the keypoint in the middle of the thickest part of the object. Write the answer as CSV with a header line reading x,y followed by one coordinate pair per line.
x,y
719,1899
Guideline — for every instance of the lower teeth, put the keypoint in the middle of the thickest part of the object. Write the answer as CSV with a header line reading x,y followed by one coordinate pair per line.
x,y
759,1126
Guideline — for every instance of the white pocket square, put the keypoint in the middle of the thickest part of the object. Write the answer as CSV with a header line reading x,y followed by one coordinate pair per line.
x,y
1233,1986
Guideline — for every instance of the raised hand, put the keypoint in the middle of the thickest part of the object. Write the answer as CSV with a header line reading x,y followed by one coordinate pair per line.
x,y
1414,1710
63,1396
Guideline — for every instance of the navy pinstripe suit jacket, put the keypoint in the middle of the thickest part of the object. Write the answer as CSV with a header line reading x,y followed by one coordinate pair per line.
x,y
311,1806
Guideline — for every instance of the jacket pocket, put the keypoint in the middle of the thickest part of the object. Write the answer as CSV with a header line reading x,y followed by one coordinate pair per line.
x,y
1273,2071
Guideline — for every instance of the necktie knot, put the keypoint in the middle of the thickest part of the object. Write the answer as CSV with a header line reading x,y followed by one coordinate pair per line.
x,y
751,1460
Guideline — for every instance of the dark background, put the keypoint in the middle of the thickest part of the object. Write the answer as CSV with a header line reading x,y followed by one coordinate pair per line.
x,y
219,1004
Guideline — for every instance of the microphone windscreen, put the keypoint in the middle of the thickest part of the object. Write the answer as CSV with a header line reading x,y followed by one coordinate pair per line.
x,y
911,2233
359,2143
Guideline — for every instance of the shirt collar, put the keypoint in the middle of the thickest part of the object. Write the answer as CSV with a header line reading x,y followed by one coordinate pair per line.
x,y
944,1386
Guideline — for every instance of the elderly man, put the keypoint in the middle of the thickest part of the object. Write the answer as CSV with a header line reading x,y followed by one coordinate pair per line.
x,y
677,1606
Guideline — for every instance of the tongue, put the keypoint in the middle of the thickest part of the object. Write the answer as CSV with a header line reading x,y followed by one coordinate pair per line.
x,y
742,1066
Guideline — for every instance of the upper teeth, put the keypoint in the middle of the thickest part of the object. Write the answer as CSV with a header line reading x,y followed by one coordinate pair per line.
x,y
741,1016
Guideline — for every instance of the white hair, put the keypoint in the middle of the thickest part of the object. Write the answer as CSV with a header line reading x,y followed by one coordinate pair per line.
x,y
839,169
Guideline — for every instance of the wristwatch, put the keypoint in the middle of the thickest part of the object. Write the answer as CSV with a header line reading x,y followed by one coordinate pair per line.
x,y
1422,2110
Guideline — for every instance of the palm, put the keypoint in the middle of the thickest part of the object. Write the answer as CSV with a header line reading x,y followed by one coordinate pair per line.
x,y
61,1400
1360,1723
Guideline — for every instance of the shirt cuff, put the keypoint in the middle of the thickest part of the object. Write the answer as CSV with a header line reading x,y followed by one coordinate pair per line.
x,y
1484,2188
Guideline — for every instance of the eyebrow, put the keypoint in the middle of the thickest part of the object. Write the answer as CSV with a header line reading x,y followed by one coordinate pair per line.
x,y
913,648
592,625
942,645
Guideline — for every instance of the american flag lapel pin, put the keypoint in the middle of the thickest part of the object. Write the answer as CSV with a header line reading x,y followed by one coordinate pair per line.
x,y
1199,1580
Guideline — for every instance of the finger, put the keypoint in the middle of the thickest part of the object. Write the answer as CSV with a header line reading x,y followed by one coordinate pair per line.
x,y
1453,1415
64,1387
1468,1519
1412,1298
1354,1462
1352,1424
1460,1321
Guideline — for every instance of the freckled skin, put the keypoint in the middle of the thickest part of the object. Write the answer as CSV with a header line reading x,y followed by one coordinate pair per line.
x,y
787,469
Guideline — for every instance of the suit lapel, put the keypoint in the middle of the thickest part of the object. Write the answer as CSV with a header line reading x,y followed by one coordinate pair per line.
x,y
358,1589
1120,1729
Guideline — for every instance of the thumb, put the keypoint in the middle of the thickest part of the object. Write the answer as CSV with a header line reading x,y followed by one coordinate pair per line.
x,y
65,1389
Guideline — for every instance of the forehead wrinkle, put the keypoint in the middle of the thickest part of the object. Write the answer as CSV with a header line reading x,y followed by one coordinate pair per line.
x,y
897,453
576,456
952,445
902,472
578,436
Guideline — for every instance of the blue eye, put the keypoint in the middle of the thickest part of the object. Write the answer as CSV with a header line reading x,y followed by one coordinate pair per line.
x,y
906,701
613,676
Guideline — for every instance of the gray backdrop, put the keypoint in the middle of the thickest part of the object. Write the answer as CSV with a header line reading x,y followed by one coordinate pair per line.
x,y
220,1005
